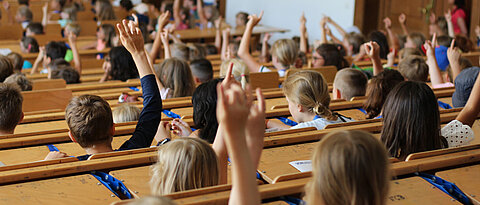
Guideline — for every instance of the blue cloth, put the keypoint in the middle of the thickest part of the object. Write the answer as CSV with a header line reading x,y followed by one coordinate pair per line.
x,y
27,65
441,56
114,185
443,105
171,114
287,121
52,148
447,187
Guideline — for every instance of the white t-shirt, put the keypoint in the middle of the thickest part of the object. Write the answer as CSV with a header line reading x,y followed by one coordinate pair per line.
x,y
320,123
457,134
165,93
264,69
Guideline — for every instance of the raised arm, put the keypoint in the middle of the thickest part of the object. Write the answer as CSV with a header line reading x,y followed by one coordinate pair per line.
x,y
391,36
372,49
469,113
244,49
303,34
265,55
72,40
323,24
162,21
176,12
402,19
132,39
166,45
338,27
453,55
448,17
38,60
225,44
433,69
329,33
201,14
218,34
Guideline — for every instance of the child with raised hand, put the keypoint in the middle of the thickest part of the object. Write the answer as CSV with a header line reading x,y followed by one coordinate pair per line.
x,y
161,22
433,69
89,117
303,34
284,51
106,38
181,16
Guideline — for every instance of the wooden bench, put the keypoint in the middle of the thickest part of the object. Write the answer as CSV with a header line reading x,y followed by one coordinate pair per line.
x,y
46,99
466,178
45,84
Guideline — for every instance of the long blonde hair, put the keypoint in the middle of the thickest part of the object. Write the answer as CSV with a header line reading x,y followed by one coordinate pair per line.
x,y
309,89
349,167
125,113
106,11
184,164
286,52
176,75
240,70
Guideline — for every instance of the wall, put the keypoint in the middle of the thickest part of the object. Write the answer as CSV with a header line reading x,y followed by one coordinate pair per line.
x,y
286,13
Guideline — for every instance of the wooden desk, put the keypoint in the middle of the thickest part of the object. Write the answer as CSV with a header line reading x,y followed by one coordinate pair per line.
x,y
82,189
466,178
416,190
192,34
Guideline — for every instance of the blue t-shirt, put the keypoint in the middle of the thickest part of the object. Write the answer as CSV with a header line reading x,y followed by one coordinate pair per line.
x,y
27,65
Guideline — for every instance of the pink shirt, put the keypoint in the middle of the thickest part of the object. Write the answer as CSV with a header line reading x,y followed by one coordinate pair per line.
x,y
456,14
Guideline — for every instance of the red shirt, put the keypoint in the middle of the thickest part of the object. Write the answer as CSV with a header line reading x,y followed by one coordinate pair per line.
x,y
456,14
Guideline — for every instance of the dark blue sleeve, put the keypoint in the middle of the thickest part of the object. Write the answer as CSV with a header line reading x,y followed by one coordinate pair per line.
x,y
149,118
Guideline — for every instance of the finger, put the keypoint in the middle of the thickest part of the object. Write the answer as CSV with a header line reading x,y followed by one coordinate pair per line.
x,y
135,18
260,16
228,76
452,45
434,40
125,26
249,95
221,96
260,100
121,30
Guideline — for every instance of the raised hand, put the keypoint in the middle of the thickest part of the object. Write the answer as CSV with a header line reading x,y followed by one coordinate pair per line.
x,y
181,128
430,46
72,38
218,22
232,109
453,53
255,127
164,36
254,19
324,21
229,79
163,20
448,15
372,49
402,19
328,31
432,18
267,37
303,22
163,131
388,23
45,8
131,36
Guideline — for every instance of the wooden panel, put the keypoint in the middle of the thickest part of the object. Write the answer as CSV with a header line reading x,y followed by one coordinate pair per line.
x,y
46,99
466,178
416,190
264,80
45,84
11,32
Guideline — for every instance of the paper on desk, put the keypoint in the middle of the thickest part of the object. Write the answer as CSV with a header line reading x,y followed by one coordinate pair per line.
x,y
5,51
302,165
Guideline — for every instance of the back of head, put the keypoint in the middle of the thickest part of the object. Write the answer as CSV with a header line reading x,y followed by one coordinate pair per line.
x,y
69,74
24,11
464,43
36,28
180,51
464,85
414,68
382,41
184,164
123,66
378,90
10,107
106,10
17,61
196,51
202,69
240,70
351,83
204,101
444,40
286,52
411,120
89,119
71,11
355,40
442,25
74,28
349,167
110,34
21,80
126,4
405,52
6,67
30,44
126,113
55,50
332,56
150,200
309,89
176,75
417,38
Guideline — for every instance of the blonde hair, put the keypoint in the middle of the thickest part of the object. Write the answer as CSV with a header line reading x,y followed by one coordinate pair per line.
x,y
125,113
184,164
349,167
176,75
309,89
286,52
240,70
180,51
151,200
74,28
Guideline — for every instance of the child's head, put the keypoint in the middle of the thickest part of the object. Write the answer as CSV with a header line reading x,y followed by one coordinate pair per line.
x,y
411,120
301,60
57,5
202,70
378,89
176,75
414,68
106,32
349,83
353,42
241,19
72,28
122,66
69,74
180,51
24,14
464,43
104,10
464,63
211,13
381,40
442,25
444,40
90,121
328,54
21,80
126,113
54,50
10,107
29,45
407,52
415,40
69,13
349,167
204,101
17,61
150,200
6,67
307,94
126,4
240,70
34,28
284,53
196,51
184,164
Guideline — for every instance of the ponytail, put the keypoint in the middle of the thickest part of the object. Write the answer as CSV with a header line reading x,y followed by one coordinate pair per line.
x,y
324,112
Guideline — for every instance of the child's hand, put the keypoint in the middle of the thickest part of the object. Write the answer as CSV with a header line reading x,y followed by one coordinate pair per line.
x,y
55,155
45,8
323,22
402,19
131,37
218,22
453,53
232,108
372,49
254,19
229,79
388,23
6,5
226,32
163,19
72,39
448,15
181,128
164,36
266,37
430,46
303,22
163,131
255,127
328,31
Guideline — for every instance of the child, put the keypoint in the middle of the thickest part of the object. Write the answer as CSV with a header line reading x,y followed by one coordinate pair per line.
x,y
126,113
53,50
24,16
415,40
119,65
17,61
241,19
72,28
67,15
378,89
459,18
176,78
349,83
202,70
69,74
21,80
181,16
464,83
29,45
34,28
414,68
106,38
284,51
308,101
104,10
57,5
10,108
6,68
411,121
239,71
89,117
328,55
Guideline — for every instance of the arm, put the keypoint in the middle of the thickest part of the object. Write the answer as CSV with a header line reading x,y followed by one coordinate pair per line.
x,y
323,24
448,17
72,40
9,15
402,19
469,113
255,129
275,123
166,45
303,34
372,49
45,14
391,36
176,12
38,60
338,27
221,152
265,55
218,33
334,39
433,69
201,13
162,21
453,55
243,50
463,26
225,44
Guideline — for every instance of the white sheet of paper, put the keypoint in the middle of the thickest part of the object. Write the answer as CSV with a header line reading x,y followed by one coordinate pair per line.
x,y
302,165
5,51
